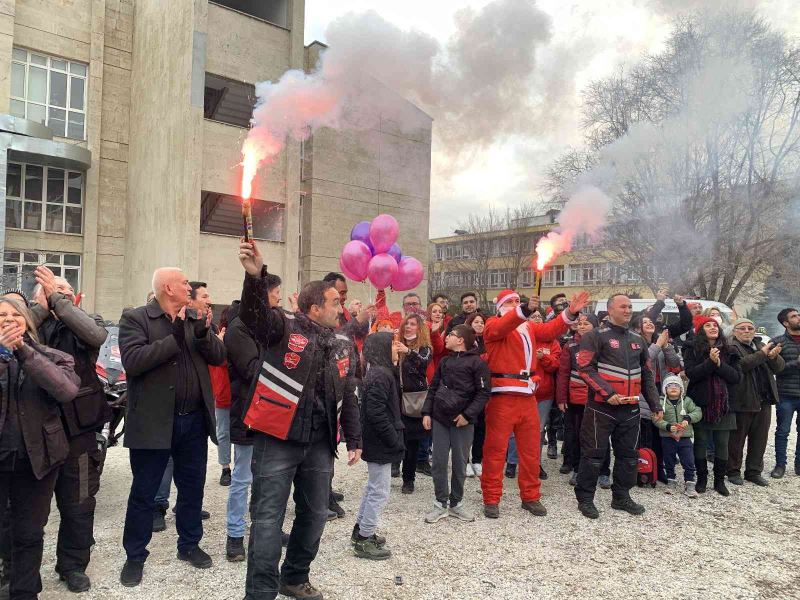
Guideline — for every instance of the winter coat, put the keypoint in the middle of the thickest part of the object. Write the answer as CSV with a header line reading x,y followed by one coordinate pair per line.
x,y
700,368
381,422
243,366
37,379
748,396
459,319
570,386
546,368
662,360
220,384
149,354
439,351
414,366
678,411
789,379
467,378
676,330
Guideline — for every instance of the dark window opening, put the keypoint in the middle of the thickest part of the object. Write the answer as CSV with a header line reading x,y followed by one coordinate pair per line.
x,y
222,213
228,101
274,11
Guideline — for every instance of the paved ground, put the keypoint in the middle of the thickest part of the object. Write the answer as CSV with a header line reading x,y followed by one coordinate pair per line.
x,y
745,546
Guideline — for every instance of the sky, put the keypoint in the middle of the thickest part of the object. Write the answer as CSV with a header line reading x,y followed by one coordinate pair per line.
x,y
589,40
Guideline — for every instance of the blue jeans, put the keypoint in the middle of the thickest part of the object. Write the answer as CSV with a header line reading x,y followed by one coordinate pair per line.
x,y
241,478
544,407
785,411
223,435
375,497
675,450
162,495
189,452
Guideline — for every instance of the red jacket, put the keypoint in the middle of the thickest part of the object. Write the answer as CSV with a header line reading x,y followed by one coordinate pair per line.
x,y
512,353
220,385
546,368
570,387
439,351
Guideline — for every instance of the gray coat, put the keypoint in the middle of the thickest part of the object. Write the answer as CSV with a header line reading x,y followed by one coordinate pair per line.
x,y
746,396
149,350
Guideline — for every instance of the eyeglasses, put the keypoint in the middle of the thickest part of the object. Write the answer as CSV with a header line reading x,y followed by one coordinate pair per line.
x,y
411,304
745,328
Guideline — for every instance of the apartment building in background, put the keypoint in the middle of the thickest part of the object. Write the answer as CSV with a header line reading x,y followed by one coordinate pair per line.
x,y
122,123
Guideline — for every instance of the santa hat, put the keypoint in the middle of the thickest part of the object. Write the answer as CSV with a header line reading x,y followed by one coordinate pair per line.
x,y
504,297
700,320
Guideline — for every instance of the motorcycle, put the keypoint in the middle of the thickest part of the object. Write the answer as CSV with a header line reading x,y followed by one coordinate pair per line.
x,y
111,374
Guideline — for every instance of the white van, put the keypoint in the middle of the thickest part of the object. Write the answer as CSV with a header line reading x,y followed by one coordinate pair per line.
x,y
670,312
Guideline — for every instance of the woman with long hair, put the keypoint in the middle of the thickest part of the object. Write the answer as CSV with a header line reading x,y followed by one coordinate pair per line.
x,y
436,327
413,347
713,371
33,443
478,323
475,468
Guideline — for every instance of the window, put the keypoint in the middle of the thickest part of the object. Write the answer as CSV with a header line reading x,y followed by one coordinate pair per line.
x,y
228,101
19,265
554,276
498,279
274,11
439,252
528,278
591,273
51,91
221,213
35,191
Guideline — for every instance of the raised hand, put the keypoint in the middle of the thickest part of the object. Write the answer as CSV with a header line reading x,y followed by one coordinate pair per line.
x,y
714,356
767,348
46,279
534,302
251,258
11,336
661,295
579,302
663,339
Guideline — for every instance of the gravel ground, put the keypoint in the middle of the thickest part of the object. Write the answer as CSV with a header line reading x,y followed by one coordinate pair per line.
x,y
744,546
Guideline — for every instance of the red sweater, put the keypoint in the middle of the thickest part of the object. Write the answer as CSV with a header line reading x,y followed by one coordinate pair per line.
x,y
546,369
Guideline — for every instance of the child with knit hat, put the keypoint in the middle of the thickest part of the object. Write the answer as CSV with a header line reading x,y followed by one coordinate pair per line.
x,y
679,413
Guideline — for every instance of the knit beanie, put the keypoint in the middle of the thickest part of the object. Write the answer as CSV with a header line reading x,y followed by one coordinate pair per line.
x,y
738,322
700,320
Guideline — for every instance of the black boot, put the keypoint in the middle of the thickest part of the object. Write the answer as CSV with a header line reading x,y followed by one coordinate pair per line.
x,y
702,477
720,467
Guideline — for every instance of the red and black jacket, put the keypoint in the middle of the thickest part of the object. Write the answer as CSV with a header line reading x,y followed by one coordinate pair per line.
x,y
614,360
570,386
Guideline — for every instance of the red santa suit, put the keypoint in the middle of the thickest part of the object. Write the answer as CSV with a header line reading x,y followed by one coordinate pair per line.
x,y
512,407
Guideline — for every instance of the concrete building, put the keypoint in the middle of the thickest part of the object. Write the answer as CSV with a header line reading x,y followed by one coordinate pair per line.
x,y
123,128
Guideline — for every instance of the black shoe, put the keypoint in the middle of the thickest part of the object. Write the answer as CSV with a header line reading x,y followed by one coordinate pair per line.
x,y
301,591
511,471
234,549
535,508
338,496
588,510
332,516
334,506
395,470
720,467
196,557
204,514
542,473
735,479
77,581
565,469
225,478
757,480
159,524
552,450
778,472
491,511
426,469
284,539
797,469
702,479
628,505
131,575
408,487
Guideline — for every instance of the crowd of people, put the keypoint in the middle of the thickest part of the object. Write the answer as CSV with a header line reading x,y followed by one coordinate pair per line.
x,y
280,387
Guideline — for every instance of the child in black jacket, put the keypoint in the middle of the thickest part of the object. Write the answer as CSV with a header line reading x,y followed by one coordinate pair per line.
x,y
456,397
382,439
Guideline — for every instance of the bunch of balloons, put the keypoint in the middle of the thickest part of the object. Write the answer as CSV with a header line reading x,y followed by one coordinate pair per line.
x,y
372,253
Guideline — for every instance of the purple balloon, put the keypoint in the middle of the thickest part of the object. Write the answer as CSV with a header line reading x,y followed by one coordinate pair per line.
x,y
354,260
395,252
409,274
383,232
381,271
360,232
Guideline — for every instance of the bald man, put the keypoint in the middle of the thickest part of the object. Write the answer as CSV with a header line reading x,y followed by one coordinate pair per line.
x,y
166,348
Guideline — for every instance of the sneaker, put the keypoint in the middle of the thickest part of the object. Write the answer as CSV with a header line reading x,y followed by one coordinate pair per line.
x,y
333,505
604,481
159,522
628,505
688,489
332,516
756,479
573,480
395,470
379,539
672,486
535,508
564,469
735,479
338,496
552,450
511,471
234,549
588,510
478,469
470,470
131,575
491,511
408,487
77,581
778,472
225,478
370,549
196,557
438,513
302,591
460,512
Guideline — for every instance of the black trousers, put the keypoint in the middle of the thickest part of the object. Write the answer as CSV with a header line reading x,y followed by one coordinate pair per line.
x,y
28,501
277,465
555,424
76,487
410,460
621,425
573,419
478,439
752,427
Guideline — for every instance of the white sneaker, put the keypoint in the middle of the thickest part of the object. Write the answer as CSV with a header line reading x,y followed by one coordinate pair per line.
x,y
460,512
688,489
470,471
478,469
672,486
438,513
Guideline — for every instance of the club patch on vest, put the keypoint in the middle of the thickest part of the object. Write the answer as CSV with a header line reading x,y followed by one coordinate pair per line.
x,y
635,346
613,343
297,342
291,360
344,366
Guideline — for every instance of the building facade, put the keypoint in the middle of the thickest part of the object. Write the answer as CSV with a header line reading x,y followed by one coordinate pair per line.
x,y
123,123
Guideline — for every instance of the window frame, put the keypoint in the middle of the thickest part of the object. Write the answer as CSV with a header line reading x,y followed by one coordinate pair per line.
x,y
43,200
59,268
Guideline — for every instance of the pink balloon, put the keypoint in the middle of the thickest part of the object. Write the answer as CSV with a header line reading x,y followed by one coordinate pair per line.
x,y
354,260
409,274
382,269
383,232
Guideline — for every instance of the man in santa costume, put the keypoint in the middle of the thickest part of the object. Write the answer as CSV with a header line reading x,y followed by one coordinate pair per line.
x,y
510,339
